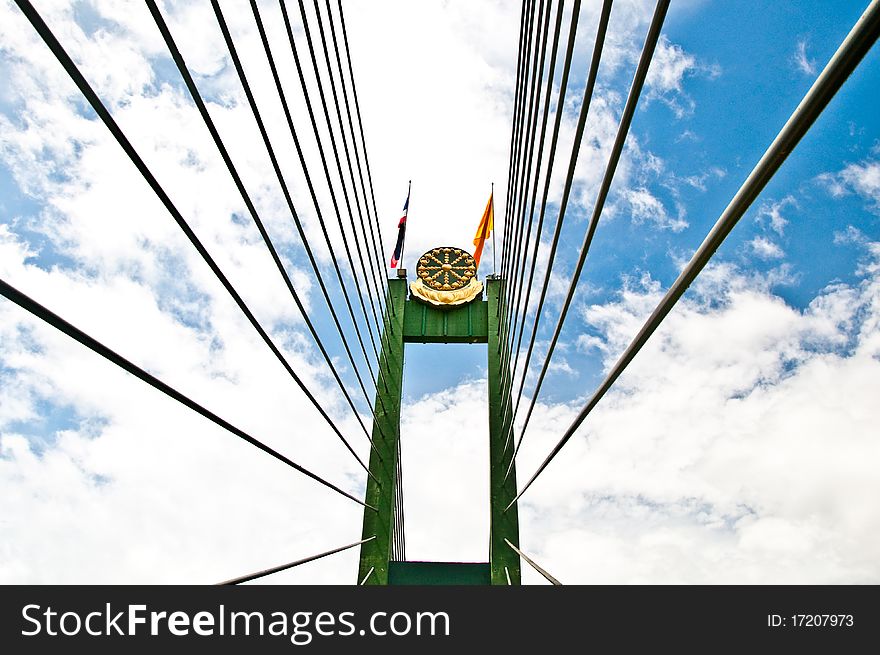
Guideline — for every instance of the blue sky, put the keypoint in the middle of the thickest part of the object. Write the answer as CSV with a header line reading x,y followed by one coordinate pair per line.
x,y
745,84
760,381
741,81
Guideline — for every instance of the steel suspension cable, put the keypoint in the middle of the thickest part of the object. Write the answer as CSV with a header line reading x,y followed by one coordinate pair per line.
x,y
284,567
375,257
524,177
515,158
335,203
371,280
29,304
521,178
524,190
522,68
550,76
336,208
99,108
395,523
395,527
339,169
530,65
852,50
533,113
519,209
224,153
596,59
400,500
514,226
610,169
271,151
282,97
519,57
522,181
364,146
528,559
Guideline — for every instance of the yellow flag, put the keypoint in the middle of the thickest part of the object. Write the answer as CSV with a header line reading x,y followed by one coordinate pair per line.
x,y
485,228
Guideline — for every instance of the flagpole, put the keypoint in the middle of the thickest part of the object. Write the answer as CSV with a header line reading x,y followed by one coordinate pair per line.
x,y
406,215
492,200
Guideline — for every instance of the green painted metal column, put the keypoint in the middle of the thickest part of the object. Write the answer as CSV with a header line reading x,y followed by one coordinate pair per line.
x,y
503,525
386,434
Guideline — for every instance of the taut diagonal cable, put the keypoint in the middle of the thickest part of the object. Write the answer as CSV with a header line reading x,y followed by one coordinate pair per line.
x,y
360,123
521,71
857,43
517,221
336,208
290,565
224,153
373,255
598,46
84,87
370,278
339,171
605,186
282,96
519,209
508,398
29,304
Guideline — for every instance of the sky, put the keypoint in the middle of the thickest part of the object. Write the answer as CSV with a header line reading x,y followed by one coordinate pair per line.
x,y
741,446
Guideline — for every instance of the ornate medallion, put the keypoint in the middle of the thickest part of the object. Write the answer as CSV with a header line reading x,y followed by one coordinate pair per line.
x,y
446,276
446,269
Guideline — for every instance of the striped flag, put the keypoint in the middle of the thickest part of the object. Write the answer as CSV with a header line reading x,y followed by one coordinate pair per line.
x,y
401,234
484,229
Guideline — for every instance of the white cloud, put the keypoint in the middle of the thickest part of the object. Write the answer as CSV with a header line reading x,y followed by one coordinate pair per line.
x,y
765,248
444,437
801,60
738,447
698,182
862,178
772,212
850,235
138,489
645,206
560,365
88,452
670,67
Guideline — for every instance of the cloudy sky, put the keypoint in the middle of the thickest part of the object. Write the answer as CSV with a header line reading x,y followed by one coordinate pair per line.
x,y
741,445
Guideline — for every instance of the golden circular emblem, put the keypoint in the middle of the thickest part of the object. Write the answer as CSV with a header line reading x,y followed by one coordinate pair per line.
x,y
446,269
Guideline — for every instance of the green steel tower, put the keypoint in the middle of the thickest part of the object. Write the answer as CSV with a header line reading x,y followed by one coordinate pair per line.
x,y
445,305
